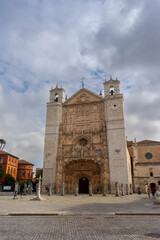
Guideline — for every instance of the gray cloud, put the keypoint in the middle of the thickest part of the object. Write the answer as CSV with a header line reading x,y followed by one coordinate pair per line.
x,y
47,42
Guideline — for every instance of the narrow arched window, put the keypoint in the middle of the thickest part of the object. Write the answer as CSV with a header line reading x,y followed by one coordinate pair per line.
x,y
56,97
111,90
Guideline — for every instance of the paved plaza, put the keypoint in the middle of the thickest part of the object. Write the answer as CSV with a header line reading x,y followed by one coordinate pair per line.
x,y
80,228
82,217
82,204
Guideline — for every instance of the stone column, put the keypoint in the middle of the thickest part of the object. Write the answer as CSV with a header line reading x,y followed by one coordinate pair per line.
x,y
76,189
50,190
90,189
30,188
104,190
122,189
16,187
25,189
63,189
116,189
131,189
38,190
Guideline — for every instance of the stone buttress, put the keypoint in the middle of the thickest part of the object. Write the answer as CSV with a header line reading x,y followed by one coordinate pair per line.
x,y
53,120
116,137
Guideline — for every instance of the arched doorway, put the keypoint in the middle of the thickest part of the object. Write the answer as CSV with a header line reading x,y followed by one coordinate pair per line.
x,y
153,186
83,185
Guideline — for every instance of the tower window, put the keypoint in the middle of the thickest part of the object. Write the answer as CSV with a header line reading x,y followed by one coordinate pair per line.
x,y
151,174
56,97
111,90
158,182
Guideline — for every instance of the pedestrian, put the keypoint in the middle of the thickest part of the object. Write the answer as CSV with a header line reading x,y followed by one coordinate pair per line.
x,y
148,192
15,195
21,194
152,193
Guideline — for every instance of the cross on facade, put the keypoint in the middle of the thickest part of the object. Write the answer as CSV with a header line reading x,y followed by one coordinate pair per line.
x,y
82,81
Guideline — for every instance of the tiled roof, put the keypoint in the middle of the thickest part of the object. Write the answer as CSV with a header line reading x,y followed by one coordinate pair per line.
x,y
6,153
147,142
24,162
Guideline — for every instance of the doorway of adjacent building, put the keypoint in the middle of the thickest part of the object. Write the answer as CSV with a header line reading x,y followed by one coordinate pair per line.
x,y
83,185
153,186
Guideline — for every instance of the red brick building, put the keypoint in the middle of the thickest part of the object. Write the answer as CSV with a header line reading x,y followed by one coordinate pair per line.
x,y
25,170
9,163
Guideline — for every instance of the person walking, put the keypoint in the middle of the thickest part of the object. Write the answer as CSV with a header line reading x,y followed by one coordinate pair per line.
x,y
15,195
148,192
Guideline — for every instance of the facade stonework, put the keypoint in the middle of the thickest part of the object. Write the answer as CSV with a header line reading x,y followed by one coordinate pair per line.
x,y
85,141
145,159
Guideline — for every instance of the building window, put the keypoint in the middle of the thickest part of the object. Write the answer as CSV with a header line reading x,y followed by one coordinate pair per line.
x,y
83,142
158,182
148,155
111,90
14,170
11,169
56,97
23,174
28,174
1,160
151,174
8,169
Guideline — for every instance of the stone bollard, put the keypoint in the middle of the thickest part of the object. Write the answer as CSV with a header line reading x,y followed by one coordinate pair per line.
x,y
131,190
122,189
63,189
16,186
157,197
50,190
25,189
76,189
30,188
104,190
116,189
127,192
90,189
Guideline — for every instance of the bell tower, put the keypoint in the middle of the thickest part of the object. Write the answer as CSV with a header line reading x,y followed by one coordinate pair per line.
x,y
115,131
53,120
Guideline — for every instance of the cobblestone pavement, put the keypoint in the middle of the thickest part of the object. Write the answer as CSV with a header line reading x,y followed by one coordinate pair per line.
x,y
80,228
83,204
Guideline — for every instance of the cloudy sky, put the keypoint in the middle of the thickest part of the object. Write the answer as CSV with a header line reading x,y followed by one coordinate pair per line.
x,y
44,42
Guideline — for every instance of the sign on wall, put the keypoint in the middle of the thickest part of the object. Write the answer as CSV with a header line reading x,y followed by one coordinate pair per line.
x,y
7,188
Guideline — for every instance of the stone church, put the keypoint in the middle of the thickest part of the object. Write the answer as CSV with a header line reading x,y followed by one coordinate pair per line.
x,y
85,141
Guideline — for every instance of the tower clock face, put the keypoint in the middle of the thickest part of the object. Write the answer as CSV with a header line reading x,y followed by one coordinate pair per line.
x,y
114,105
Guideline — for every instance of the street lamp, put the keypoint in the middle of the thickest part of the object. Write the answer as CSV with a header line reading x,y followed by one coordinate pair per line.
x,y
2,144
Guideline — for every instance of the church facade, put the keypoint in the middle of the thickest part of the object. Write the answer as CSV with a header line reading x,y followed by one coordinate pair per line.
x,y
85,141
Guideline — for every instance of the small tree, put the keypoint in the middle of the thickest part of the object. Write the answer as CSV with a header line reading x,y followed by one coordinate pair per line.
x,y
40,173
18,176
1,173
9,180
